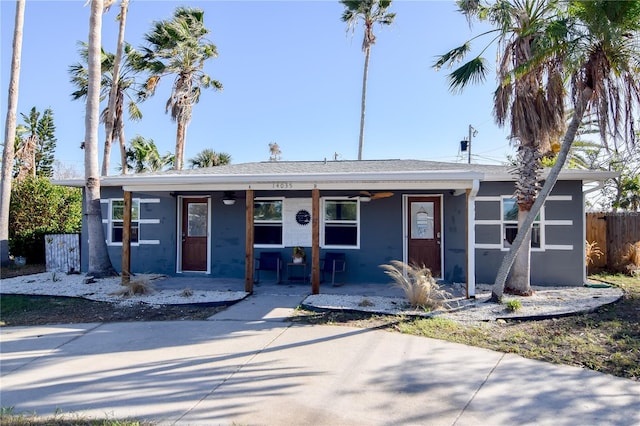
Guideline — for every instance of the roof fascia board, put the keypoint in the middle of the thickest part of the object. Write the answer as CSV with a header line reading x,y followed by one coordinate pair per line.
x,y
231,179
379,180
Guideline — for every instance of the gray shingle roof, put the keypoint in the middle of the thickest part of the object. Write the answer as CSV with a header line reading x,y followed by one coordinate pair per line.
x,y
334,171
332,167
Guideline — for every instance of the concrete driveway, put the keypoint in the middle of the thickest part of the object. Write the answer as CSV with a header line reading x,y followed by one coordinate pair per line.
x,y
248,366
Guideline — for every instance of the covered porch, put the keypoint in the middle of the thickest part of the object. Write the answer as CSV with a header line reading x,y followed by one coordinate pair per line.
x,y
250,188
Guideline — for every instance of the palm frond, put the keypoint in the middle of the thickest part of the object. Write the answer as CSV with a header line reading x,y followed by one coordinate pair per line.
x,y
452,57
474,71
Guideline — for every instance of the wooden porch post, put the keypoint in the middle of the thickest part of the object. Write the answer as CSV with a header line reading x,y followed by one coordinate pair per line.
x,y
315,241
248,260
126,239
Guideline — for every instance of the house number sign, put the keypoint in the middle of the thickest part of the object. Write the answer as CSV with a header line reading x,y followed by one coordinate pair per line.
x,y
282,185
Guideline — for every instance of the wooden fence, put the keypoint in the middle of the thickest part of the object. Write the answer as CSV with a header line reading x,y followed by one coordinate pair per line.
x,y
612,232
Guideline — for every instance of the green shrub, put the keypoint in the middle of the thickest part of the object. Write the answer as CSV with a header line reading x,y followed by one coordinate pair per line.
x,y
38,208
513,305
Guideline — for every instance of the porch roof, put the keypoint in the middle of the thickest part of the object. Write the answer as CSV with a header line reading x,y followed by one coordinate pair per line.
x,y
302,175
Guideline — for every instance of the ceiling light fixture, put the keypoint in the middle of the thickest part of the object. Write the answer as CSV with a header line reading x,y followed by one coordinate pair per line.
x,y
229,198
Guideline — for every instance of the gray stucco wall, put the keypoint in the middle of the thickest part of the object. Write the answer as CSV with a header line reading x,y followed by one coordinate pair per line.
x,y
228,239
455,234
552,266
145,258
381,236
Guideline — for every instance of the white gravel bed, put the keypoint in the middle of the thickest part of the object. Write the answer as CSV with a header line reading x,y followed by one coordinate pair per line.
x,y
545,302
373,304
104,289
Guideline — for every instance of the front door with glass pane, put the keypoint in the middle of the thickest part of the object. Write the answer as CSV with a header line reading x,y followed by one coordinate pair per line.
x,y
195,223
424,233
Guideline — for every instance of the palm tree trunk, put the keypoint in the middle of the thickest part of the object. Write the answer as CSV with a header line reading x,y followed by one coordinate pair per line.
x,y
365,76
123,150
180,137
99,262
106,155
111,110
520,277
8,153
550,181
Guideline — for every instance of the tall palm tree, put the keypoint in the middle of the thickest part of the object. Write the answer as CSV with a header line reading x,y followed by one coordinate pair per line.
x,y
530,94
127,88
113,117
143,156
9,133
179,47
605,54
370,12
209,158
99,261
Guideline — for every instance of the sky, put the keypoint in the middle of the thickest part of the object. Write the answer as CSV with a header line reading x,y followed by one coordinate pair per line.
x,y
291,73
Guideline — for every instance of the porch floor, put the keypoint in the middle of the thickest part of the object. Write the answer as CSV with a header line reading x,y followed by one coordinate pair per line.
x,y
284,288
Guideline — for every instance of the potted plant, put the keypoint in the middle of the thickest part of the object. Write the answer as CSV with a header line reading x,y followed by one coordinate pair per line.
x,y
299,255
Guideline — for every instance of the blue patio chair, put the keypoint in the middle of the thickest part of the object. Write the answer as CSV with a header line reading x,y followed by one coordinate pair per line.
x,y
333,263
268,261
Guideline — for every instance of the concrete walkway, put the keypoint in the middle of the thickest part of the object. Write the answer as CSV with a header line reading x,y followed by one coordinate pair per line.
x,y
248,366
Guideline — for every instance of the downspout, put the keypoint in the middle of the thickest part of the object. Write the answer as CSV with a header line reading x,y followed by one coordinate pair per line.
x,y
471,238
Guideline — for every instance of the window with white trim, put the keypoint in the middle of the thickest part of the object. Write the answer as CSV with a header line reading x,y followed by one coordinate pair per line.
x,y
510,224
116,216
267,222
340,223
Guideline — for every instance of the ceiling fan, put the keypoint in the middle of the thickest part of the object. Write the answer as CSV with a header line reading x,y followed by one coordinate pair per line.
x,y
367,196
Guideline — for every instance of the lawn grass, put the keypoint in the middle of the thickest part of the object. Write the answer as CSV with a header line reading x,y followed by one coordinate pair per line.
x,y
9,418
607,340
28,308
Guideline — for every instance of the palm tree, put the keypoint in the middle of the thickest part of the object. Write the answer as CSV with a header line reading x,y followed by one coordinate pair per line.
x,y
9,133
126,88
99,261
597,41
371,12
209,158
113,117
606,50
178,46
530,94
143,156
